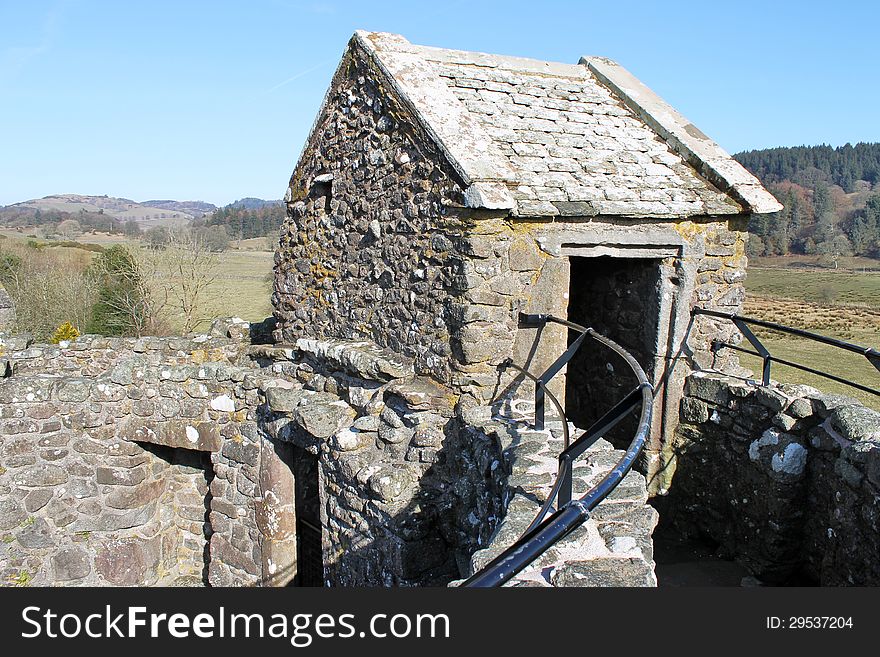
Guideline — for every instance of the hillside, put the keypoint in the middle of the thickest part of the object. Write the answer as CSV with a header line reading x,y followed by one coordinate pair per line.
x,y
251,203
58,207
194,208
844,166
831,198
249,217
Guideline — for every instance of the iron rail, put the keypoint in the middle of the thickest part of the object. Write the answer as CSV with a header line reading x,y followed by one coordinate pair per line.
x,y
570,514
761,351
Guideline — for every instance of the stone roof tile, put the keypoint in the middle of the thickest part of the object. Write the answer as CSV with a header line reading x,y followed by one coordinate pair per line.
x,y
564,138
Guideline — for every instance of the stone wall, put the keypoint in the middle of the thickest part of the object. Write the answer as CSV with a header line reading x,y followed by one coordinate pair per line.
x,y
112,455
405,489
415,481
174,461
786,479
368,249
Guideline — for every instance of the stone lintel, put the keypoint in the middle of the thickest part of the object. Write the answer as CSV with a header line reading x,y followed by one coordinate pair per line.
x,y
197,435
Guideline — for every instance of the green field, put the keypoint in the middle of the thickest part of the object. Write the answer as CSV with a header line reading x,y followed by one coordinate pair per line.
x,y
841,304
242,279
242,287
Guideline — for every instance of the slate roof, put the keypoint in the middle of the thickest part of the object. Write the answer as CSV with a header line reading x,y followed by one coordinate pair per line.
x,y
544,138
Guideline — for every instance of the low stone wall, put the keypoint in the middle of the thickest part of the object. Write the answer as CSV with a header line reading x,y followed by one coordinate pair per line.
x,y
114,451
183,461
403,494
785,478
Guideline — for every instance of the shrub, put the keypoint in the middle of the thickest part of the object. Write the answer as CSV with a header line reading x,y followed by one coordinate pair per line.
x,y
65,332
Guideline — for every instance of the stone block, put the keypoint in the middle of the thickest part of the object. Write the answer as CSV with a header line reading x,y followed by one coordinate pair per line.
x,y
11,513
629,571
284,400
131,497
71,564
44,474
694,411
37,499
856,423
108,521
481,342
708,388
200,435
36,535
241,452
128,562
524,255
773,399
389,483
224,552
121,476
322,418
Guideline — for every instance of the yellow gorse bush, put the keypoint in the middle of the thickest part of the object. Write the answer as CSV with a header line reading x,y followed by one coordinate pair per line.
x,y
66,331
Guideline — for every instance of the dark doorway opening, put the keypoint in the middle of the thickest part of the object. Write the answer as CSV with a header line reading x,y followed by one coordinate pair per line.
x,y
307,502
619,298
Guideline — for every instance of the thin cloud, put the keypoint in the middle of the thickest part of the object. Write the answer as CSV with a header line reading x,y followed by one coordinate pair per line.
x,y
301,74
14,58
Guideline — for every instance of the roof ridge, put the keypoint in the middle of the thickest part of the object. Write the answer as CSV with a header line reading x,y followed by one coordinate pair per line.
x,y
701,152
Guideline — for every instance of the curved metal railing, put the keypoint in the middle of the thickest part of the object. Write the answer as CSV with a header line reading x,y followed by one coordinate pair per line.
x,y
544,531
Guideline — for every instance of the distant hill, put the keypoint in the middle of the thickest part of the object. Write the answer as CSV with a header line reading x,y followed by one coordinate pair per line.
x,y
57,207
250,203
831,198
193,208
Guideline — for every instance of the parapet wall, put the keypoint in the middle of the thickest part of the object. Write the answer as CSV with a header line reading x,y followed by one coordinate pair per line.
x,y
785,478
184,461
115,462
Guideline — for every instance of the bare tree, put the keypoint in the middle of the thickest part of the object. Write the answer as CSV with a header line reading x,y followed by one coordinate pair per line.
x,y
176,279
69,229
193,266
47,288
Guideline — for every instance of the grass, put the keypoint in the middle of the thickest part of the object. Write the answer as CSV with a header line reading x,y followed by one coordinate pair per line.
x,y
843,304
243,286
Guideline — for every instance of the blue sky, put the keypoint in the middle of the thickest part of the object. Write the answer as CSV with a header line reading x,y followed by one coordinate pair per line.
x,y
213,100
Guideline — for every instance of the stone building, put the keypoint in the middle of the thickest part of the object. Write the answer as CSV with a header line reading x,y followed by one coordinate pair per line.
x,y
441,193
369,433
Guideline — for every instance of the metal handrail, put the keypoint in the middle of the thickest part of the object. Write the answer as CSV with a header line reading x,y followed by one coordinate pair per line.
x,y
570,514
871,354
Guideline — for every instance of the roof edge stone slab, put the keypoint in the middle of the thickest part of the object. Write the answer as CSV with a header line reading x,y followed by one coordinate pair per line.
x,y
684,137
469,150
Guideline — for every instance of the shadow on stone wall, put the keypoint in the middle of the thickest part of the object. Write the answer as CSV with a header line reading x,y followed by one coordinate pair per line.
x,y
785,479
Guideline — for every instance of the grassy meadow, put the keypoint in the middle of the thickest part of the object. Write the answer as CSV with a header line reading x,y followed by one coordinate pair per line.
x,y
241,284
842,303
242,287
